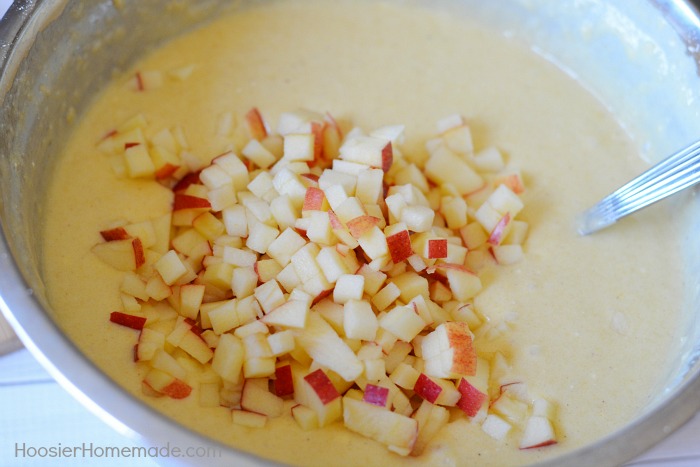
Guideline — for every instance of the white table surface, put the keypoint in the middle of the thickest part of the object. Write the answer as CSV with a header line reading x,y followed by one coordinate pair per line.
x,y
36,412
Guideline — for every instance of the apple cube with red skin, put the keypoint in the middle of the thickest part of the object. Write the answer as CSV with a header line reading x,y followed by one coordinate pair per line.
x,y
397,432
376,395
255,124
284,382
427,389
127,320
315,200
437,248
322,396
360,225
449,352
500,231
123,255
472,399
164,383
116,233
436,391
399,242
368,150
538,433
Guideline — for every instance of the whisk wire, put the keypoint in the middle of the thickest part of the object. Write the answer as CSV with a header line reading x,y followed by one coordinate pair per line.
x,y
675,173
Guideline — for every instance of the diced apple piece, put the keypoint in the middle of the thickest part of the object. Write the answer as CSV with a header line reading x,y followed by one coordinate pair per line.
x,y
397,432
170,267
260,237
123,255
305,417
472,400
332,263
223,317
257,398
507,254
444,166
411,285
376,395
348,287
417,218
167,384
386,296
116,233
510,408
496,427
454,209
369,188
193,344
459,140
150,341
402,322
138,162
132,284
284,382
322,343
399,244
449,352
315,200
163,361
464,284
243,281
437,248
157,289
318,227
234,218
248,419
368,150
143,230
269,295
431,418
322,397
405,376
258,154
290,314
127,320
299,147
255,124
373,243
538,433
359,320
427,389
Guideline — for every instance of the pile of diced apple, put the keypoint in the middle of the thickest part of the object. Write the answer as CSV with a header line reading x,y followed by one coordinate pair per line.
x,y
324,275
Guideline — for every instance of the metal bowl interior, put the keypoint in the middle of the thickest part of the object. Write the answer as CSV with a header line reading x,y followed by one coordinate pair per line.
x,y
55,57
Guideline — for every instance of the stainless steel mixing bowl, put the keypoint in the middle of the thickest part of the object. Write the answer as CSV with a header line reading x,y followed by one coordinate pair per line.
x,y
640,57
